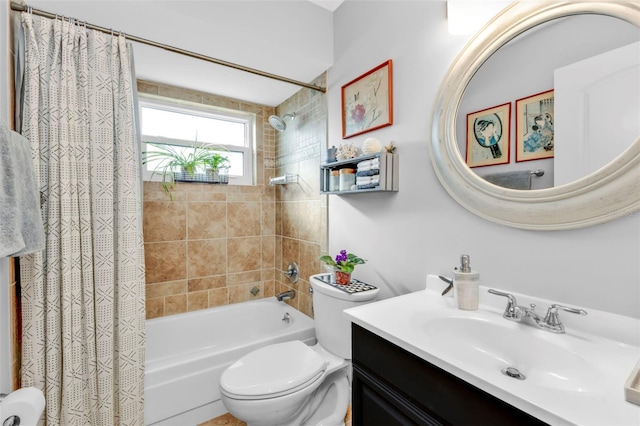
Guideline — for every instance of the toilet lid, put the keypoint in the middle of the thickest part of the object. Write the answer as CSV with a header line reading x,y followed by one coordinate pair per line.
x,y
273,370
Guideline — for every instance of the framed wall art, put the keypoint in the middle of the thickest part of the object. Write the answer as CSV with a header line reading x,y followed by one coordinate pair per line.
x,y
534,127
367,101
488,133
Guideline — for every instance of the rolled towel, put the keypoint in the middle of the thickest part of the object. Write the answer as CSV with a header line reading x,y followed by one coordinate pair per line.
x,y
370,172
367,180
368,186
369,164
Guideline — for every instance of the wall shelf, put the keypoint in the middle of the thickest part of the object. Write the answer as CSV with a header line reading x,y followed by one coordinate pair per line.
x,y
389,173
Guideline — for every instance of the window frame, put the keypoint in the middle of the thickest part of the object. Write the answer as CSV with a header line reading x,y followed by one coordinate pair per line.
x,y
209,111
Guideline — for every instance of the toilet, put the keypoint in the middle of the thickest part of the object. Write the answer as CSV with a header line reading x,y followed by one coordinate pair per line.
x,y
292,383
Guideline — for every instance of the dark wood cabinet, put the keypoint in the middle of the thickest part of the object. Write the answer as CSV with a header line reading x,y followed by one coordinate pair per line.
x,y
394,387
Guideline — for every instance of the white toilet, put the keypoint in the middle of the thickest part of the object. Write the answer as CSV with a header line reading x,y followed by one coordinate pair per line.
x,y
291,383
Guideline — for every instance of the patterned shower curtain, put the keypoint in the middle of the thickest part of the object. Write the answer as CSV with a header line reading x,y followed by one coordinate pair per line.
x,y
83,296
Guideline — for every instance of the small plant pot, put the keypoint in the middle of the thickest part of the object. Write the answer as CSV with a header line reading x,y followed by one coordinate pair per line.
x,y
218,175
342,278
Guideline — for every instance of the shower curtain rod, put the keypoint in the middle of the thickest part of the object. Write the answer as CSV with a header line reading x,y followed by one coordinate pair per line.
x,y
24,8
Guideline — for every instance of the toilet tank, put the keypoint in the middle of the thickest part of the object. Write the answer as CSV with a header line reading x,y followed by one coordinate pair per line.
x,y
333,329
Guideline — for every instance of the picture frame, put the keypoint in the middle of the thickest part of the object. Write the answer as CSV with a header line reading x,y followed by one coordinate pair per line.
x,y
488,136
534,127
367,101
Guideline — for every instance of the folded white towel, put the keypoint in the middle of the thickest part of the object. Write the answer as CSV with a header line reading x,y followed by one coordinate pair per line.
x,y
21,230
369,164
364,180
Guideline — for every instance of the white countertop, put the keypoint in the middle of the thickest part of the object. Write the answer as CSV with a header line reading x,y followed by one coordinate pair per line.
x,y
608,344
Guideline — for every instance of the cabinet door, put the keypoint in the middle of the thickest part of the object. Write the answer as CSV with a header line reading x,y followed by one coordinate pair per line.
x,y
376,404
431,390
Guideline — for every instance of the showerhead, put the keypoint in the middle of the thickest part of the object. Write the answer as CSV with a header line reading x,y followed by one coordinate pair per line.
x,y
278,123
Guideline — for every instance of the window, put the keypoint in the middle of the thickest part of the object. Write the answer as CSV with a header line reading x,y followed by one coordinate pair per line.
x,y
181,123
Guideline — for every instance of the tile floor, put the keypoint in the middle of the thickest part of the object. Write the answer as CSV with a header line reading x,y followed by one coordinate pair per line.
x,y
224,420
229,420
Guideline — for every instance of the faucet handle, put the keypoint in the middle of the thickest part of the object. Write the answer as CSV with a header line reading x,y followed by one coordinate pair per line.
x,y
552,314
512,311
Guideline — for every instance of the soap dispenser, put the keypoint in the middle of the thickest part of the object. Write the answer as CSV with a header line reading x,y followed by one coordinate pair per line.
x,y
466,285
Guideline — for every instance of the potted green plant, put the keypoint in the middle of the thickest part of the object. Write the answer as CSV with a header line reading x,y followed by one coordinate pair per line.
x,y
173,160
214,164
343,265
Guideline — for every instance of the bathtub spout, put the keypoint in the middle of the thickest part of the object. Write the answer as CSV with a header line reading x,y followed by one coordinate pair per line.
x,y
286,295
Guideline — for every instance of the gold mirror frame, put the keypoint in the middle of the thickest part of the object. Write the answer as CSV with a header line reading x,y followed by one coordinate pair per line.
x,y
607,194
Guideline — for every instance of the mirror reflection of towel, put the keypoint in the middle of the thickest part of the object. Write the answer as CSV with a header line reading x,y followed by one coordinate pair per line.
x,y
514,180
21,230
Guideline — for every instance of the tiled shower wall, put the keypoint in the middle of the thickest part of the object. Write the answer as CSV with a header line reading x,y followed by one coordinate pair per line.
x,y
301,212
215,243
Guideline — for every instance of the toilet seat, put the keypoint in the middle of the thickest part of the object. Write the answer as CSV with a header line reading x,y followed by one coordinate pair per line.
x,y
272,371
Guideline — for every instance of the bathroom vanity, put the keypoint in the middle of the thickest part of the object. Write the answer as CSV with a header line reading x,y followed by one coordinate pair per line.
x,y
417,359
393,386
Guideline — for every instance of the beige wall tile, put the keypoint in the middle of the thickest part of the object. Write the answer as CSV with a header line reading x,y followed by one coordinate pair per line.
x,y
164,221
290,219
305,304
238,293
220,101
268,252
268,218
207,283
243,254
155,307
153,191
207,257
165,261
310,220
243,278
278,253
309,264
147,87
206,220
166,289
218,297
175,304
268,274
290,252
197,300
269,288
243,219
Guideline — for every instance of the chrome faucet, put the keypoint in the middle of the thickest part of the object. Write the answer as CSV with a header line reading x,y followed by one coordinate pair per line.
x,y
286,295
550,322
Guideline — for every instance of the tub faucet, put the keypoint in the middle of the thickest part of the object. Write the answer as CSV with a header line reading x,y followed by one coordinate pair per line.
x,y
550,322
286,295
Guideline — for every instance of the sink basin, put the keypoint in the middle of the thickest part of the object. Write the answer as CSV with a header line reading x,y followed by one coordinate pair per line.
x,y
572,378
545,359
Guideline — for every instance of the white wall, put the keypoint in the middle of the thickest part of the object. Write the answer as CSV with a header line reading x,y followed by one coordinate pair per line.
x,y
287,38
421,229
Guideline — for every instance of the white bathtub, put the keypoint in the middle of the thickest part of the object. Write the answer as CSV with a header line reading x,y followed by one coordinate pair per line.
x,y
187,353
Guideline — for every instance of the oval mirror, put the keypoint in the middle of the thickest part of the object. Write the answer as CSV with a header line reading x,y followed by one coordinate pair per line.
x,y
505,75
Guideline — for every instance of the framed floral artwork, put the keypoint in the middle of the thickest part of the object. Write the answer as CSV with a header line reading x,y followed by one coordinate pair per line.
x,y
534,127
488,133
367,101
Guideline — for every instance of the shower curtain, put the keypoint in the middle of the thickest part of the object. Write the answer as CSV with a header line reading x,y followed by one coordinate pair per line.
x,y
83,296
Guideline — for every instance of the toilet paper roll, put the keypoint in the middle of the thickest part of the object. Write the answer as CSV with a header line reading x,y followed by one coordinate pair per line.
x,y
25,403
